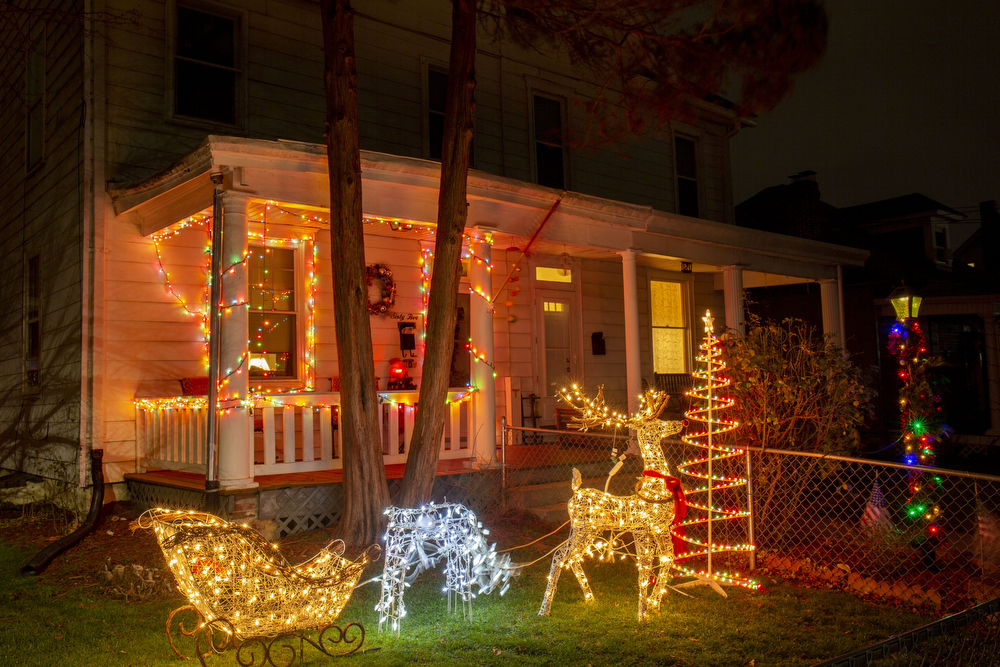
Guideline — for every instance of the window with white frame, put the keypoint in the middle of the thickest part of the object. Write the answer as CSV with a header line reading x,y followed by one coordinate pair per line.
x,y
208,73
275,320
437,98
686,167
35,103
669,318
550,141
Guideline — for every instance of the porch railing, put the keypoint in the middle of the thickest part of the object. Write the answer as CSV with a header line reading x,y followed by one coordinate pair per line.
x,y
290,432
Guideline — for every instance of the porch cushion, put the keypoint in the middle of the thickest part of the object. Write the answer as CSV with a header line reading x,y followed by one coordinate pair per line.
x,y
194,386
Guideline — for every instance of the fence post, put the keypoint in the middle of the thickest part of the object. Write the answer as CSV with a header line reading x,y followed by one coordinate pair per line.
x,y
503,451
750,536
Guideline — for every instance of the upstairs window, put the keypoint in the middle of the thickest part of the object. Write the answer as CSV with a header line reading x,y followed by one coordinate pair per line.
x,y
437,99
32,323
670,334
274,317
686,166
35,98
550,154
207,67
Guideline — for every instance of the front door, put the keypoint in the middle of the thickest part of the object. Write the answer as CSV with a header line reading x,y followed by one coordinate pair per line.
x,y
557,344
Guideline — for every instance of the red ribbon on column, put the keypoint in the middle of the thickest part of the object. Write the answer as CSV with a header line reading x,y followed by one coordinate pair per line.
x,y
680,508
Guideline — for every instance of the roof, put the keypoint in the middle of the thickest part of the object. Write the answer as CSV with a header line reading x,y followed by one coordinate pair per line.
x,y
907,206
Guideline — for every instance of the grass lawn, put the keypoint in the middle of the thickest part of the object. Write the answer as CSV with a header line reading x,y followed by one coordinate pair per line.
x,y
42,624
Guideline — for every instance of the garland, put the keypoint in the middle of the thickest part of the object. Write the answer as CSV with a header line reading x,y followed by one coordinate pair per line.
x,y
381,273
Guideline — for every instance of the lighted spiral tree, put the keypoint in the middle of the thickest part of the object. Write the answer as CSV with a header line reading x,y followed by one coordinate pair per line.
x,y
709,516
921,428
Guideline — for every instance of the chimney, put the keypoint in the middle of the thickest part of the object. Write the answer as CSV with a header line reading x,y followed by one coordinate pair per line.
x,y
806,219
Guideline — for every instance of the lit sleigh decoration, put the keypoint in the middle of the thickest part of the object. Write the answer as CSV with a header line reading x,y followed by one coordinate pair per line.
x,y
600,522
419,539
247,597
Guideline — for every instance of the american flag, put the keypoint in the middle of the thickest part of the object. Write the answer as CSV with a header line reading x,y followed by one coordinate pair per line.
x,y
876,514
988,529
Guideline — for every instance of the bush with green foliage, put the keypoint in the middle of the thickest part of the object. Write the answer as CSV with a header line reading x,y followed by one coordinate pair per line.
x,y
795,389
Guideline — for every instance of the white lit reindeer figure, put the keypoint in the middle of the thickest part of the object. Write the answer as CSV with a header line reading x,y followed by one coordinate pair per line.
x,y
599,520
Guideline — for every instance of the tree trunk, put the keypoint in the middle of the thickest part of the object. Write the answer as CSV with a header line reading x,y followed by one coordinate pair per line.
x,y
453,211
366,494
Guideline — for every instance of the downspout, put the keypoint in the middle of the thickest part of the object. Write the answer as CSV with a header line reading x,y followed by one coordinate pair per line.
x,y
215,295
46,555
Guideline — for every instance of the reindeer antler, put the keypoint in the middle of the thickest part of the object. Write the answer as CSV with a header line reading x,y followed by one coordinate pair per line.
x,y
595,412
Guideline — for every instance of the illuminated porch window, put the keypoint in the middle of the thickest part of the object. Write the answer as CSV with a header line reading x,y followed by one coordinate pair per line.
x,y
274,316
669,320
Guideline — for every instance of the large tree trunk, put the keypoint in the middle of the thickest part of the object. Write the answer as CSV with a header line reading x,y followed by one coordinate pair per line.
x,y
453,211
365,492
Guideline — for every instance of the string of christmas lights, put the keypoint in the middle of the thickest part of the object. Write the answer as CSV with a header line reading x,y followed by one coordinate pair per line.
x,y
707,403
600,521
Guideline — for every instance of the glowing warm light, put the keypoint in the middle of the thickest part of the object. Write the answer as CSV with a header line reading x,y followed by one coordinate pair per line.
x,y
706,404
638,526
448,534
229,573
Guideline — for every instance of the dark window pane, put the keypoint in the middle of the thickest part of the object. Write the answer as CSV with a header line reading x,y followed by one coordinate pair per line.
x,y
205,37
687,197
34,351
437,90
684,157
435,127
271,278
34,286
550,165
548,120
203,91
272,345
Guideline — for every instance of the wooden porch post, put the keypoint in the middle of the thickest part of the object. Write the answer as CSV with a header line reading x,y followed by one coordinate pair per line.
x,y
483,429
633,369
829,295
235,446
732,288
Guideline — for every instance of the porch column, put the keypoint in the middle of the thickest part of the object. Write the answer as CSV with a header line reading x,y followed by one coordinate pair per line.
x,y
829,294
992,336
235,446
732,288
484,402
633,371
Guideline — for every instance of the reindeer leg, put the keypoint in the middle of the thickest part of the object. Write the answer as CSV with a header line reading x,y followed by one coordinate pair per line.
x,y
662,558
644,562
577,564
558,560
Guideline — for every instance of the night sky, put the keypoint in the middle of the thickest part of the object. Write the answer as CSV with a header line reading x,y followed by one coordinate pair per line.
x,y
906,99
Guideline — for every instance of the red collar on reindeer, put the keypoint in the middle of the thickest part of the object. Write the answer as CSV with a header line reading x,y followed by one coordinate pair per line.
x,y
680,506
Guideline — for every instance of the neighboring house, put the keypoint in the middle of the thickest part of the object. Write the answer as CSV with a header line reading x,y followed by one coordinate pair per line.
x,y
130,136
910,239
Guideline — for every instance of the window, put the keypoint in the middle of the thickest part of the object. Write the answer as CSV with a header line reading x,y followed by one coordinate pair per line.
x,y
686,165
941,254
549,142
207,67
669,318
274,316
551,275
437,98
32,325
35,98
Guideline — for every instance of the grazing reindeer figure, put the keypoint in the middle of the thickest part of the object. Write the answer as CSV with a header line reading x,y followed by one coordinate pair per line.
x,y
598,520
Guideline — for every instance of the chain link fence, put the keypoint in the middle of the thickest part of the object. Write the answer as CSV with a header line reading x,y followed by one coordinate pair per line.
x,y
838,521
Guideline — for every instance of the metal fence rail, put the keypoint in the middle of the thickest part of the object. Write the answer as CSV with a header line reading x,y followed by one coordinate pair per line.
x,y
971,637
835,520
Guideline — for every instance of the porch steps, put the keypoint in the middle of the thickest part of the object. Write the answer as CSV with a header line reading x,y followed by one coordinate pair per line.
x,y
548,501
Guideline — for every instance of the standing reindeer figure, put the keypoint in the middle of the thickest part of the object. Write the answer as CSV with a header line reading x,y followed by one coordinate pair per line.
x,y
599,520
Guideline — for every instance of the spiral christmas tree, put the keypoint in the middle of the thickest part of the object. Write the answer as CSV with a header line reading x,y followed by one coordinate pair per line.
x,y
707,515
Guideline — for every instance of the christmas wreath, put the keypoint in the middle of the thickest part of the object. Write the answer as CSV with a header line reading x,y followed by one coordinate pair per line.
x,y
381,273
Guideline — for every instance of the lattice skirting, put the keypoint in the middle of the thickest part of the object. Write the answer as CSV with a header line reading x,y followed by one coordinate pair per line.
x,y
301,509
149,496
304,508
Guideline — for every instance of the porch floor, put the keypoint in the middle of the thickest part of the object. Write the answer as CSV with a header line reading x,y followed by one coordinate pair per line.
x,y
196,481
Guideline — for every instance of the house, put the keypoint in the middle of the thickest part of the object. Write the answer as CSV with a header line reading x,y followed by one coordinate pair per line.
x,y
930,247
134,139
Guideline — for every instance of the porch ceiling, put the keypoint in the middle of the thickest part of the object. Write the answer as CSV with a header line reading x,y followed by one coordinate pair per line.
x,y
400,189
